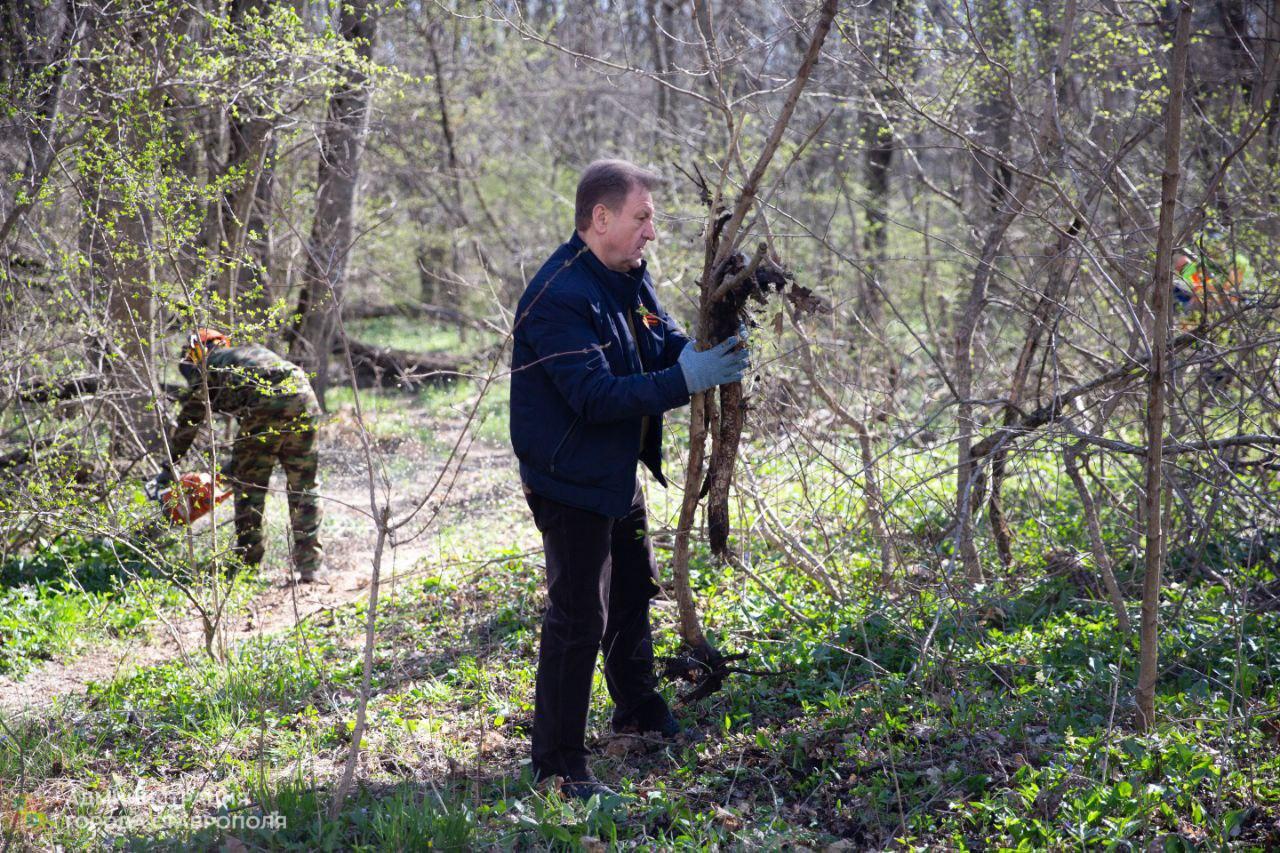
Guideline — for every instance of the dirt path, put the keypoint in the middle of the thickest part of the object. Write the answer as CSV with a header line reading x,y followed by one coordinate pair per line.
x,y
487,473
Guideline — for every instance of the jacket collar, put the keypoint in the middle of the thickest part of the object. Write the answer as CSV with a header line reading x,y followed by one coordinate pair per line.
x,y
619,282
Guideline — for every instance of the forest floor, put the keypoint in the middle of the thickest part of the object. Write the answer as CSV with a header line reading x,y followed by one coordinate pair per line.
x,y
1014,729
270,601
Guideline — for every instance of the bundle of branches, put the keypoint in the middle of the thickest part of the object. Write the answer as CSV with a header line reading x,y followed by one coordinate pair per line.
x,y
734,282
729,281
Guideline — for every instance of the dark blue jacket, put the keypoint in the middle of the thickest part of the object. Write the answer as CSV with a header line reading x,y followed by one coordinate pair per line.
x,y
582,387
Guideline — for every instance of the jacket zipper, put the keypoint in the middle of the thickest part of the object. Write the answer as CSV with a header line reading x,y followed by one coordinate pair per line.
x,y
605,291
559,446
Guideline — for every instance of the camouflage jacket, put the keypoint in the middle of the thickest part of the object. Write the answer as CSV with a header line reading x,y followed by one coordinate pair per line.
x,y
244,382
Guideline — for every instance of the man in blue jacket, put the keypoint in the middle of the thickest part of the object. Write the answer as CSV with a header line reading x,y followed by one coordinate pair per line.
x,y
596,363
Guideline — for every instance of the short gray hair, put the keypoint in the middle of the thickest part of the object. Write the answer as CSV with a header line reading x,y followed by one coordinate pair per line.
x,y
608,182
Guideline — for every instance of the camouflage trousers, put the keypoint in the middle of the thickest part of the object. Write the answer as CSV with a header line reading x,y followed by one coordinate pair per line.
x,y
261,442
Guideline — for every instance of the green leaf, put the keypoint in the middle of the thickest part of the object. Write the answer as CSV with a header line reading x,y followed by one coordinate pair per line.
x,y
1233,822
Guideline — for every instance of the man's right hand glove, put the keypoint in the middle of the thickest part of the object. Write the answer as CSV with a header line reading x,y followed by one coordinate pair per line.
x,y
716,366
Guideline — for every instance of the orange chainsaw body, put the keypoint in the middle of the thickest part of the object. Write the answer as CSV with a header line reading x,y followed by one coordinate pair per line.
x,y
192,496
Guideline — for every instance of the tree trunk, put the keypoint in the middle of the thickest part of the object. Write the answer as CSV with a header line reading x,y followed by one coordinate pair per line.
x,y
452,166
246,214
1006,206
690,625
36,40
1158,376
1060,275
720,241
991,178
1263,93
881,144
1263,89
431,266
966,327
324,271
657,21
116,243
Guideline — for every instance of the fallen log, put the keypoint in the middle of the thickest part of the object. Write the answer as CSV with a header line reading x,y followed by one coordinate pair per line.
x,y
19,463
387,367
45,391
412,311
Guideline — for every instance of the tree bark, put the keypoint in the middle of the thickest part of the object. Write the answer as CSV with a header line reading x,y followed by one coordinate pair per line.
x,y
115,238
246,212
711,326
993,179
1055,290
341,145
881,145
656,23
1158,298
721,235
1007,205
36,41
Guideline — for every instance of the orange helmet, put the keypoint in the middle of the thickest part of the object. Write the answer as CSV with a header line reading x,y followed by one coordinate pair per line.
x,y
201,341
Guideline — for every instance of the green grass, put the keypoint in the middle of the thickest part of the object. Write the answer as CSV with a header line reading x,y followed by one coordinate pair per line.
x,y
433,415
72,593
420,336
433,412
1008,736
1015,731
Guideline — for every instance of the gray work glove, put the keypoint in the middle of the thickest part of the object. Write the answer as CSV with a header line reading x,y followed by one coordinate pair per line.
x,y
716,366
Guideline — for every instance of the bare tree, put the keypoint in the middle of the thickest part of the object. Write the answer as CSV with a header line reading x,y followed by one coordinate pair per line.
x,y
1158,375
332,232
728,278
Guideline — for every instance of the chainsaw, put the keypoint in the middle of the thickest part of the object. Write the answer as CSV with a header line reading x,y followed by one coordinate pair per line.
x,y
190,497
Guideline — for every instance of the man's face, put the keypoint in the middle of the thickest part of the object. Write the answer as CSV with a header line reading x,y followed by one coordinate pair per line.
x,y
621,234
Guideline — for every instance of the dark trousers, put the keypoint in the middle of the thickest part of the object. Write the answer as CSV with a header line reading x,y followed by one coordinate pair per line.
x,y
600,577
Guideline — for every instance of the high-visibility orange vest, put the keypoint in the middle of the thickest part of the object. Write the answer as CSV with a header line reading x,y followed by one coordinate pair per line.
x,y
1216,285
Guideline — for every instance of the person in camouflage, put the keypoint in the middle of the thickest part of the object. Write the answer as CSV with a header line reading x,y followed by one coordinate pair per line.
x,y
277,413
